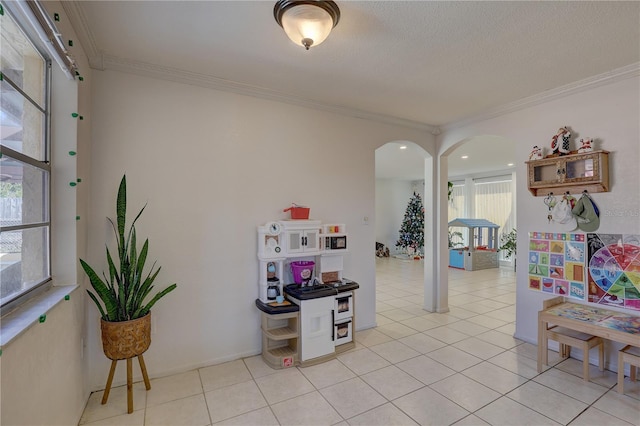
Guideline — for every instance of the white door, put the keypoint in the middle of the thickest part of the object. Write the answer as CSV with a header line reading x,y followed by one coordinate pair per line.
x,y
316,329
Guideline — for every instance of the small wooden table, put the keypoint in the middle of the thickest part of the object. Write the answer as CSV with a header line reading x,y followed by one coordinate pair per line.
x,y
612,325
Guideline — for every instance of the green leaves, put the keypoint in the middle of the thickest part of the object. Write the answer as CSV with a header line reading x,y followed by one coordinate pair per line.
x,y
123,292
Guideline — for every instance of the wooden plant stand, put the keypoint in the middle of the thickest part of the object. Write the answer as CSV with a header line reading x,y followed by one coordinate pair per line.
x,y
147,384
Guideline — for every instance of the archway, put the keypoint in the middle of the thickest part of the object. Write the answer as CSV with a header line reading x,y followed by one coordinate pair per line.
x,y
476,162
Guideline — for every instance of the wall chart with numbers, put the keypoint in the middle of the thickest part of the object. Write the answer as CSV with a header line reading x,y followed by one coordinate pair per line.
x,y
614,270
557,263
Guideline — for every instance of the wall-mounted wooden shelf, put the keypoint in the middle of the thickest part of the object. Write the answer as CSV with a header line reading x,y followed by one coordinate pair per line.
x,y
573,173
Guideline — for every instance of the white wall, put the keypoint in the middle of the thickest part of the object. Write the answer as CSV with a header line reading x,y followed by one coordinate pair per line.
x,y
212,166
610,114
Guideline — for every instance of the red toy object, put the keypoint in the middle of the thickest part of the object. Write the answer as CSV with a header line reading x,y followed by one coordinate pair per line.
x,y
298,212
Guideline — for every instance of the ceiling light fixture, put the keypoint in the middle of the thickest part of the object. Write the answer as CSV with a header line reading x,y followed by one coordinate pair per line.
x,y
403,147
464,157
306,22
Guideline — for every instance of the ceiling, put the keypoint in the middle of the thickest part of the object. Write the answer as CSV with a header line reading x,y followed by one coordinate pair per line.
x,y
428,64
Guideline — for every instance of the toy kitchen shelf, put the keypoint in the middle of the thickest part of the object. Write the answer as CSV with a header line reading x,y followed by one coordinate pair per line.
x,y
305,331
574,173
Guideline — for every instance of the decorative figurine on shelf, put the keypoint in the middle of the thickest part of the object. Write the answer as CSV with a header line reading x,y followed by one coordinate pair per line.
x,y
586,145
561,147
536,153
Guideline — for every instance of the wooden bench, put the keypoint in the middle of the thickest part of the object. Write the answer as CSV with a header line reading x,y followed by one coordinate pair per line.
x,y
630,355
568,338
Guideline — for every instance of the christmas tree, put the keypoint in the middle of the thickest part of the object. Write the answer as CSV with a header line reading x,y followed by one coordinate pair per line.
x,y
412,229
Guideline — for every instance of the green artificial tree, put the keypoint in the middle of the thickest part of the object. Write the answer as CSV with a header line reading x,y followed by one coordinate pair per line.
x,y
412,229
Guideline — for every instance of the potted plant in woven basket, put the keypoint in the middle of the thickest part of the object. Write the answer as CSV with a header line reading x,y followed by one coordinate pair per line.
x,y
121,297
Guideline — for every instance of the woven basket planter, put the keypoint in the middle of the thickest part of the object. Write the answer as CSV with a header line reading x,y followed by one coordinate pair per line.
x,y
126,339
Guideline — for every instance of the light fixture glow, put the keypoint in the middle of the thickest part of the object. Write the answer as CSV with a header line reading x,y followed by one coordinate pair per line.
x,y
510,164
403,147
464,157
306,22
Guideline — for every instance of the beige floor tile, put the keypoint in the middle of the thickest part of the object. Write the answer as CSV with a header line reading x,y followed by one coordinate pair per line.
x,y
509,329
352,397
174,387
391,382
454,358
427,407
487,321
327,374
443,319
260,417
221,375
471,420
382,320
594,417
494,377
116,404
465,392
422,343
479,348
461,313
469,327
420,323
234,400
417,309
134,419
384,415
284,385
569,384
191,411
620,406
396,330
446,334
505,411
309,409
394,351
257,367
500,339
553,404
363,361
518,364
397,314
425,369
371,337
502,315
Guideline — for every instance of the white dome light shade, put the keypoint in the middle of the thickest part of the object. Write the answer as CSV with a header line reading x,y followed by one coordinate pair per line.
x,y
307,25
306,22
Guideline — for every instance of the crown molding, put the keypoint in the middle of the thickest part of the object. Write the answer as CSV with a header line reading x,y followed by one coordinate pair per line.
x,y
589,83
203,80
78,20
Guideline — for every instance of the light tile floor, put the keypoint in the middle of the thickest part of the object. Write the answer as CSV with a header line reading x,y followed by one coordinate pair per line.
x,y
463,367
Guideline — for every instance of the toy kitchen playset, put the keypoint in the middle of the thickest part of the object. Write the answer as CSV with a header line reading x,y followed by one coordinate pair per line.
x,y
307,306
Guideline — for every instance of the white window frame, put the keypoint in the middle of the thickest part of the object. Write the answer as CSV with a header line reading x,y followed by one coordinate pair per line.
x,y
32,34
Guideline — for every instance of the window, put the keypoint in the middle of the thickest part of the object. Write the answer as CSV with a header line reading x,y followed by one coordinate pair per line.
x,y
24,164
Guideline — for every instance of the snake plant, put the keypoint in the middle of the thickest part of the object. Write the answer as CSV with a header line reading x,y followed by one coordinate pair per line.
x,y
124,291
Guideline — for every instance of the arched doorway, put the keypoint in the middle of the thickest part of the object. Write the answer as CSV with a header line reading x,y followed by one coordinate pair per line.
x,y
403,168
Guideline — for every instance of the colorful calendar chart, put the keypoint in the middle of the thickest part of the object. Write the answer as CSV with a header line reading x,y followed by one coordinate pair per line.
x,y
614,270
557,263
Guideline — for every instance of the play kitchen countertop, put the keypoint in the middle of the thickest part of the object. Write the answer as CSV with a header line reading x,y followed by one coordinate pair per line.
x,y
298,292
